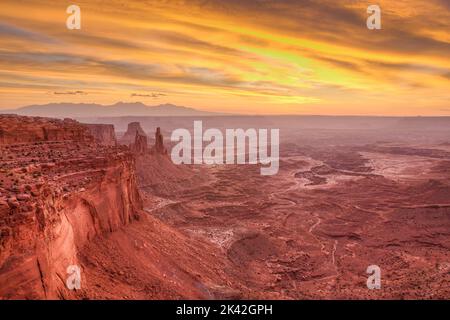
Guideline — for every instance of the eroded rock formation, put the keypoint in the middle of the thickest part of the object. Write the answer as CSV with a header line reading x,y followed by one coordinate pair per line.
x,y
14,129
159,142
130,135
103,133
140,144
58,190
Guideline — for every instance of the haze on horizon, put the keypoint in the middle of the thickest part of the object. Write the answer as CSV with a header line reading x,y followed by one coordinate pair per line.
x,y
252,57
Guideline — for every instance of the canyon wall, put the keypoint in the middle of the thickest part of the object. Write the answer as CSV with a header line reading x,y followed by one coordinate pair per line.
x,y
103,133
14,129
58,191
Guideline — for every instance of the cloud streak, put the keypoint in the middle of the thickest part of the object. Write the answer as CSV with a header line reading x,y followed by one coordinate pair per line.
x,y
70,92
11,31
152,95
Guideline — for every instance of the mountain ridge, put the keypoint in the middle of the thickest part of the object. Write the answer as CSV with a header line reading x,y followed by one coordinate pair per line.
x,y
119,109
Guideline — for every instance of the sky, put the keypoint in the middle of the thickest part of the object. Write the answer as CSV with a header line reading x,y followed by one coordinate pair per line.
x,y
235,56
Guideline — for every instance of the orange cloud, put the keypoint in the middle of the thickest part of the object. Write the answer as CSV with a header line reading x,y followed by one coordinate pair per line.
x,y
249,56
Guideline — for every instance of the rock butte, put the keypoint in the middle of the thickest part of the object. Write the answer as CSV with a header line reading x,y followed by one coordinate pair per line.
x,y
130,135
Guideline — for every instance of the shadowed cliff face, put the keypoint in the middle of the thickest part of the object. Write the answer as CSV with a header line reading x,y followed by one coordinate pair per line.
x,y
55,196
159,142
103,133
134,128
140,145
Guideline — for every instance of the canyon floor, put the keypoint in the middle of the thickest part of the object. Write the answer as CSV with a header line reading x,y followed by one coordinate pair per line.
x,y
312,230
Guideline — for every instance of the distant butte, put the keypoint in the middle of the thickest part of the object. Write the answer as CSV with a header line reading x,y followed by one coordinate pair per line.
x,y
130,135
103,133
159,142
140,145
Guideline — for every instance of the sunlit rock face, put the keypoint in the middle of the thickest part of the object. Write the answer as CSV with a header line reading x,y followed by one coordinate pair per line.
x,y
103,133
59,189
18,129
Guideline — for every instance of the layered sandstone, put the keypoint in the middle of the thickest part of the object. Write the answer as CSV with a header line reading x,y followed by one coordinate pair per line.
x,y
103,133
14,129
58,191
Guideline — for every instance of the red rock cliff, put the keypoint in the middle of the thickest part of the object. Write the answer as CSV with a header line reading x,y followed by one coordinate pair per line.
x,y
14,129
103,133
58,190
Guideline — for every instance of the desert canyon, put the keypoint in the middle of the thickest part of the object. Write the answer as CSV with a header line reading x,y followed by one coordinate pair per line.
x,y
104,194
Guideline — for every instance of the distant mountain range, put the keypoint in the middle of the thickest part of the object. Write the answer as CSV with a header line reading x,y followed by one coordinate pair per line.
x,y
120,109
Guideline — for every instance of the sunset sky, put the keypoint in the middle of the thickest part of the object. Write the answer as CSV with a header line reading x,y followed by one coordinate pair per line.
x,y
239,56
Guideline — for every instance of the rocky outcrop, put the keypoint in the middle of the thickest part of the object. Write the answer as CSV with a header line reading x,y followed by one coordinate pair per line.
x,y
159,142
17,129
130,135
103,133
58,191
140,145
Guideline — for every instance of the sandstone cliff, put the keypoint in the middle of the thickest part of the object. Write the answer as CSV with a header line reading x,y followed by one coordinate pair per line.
x,y
57,192
103,133
14,129
130,135
140,144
